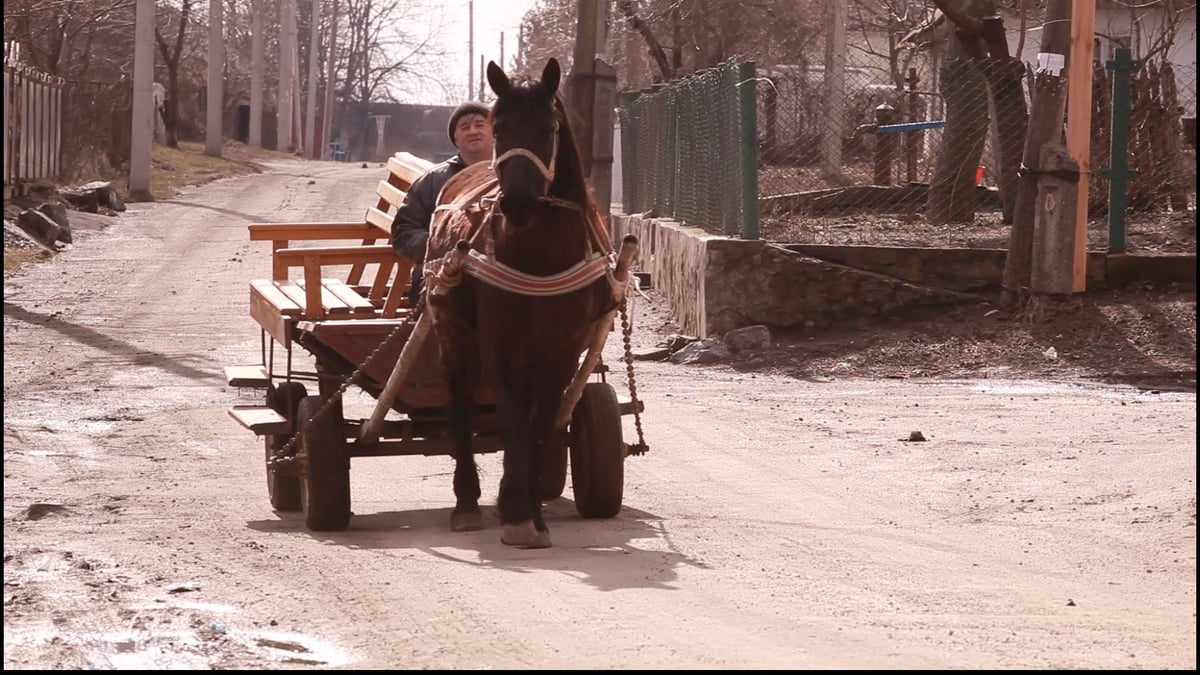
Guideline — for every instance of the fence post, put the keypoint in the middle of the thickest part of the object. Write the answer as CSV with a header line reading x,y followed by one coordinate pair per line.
x,y
1119,173
885,145
913,140
749,149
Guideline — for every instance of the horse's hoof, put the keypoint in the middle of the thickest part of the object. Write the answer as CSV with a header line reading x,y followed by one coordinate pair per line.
x,y
524,535
466,521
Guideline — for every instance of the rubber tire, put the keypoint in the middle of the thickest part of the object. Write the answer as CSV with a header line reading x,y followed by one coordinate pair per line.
x,y
325,489
283,489
597,452
554,473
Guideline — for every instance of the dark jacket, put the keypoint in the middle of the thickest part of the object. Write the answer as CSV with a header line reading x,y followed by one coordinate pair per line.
x,y
410,228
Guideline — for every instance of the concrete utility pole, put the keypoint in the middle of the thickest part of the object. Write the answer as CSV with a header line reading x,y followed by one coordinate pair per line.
x,y
833,88
142,131
591,97
256,73
470,47
1079,126
310,111
287,53
294,39
216,92
330,76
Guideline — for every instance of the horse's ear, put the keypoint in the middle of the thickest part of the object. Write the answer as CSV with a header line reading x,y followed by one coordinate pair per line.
x,y
551,75
497,79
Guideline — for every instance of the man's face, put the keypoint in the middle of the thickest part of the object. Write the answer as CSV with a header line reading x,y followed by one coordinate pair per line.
x,y
473,135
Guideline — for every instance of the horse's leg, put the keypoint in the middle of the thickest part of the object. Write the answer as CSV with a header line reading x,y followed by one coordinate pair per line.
x,y
517,524
546,397
462,369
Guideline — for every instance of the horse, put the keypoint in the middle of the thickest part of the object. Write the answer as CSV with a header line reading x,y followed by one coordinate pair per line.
x,y
531,299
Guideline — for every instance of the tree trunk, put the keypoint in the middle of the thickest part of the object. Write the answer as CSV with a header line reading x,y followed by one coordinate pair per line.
x,y
1010,124
952,189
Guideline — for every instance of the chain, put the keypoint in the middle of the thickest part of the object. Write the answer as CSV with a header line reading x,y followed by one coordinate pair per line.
x,y
282,453
626,331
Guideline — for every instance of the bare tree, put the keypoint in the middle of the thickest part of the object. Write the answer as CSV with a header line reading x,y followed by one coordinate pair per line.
x,y
171,53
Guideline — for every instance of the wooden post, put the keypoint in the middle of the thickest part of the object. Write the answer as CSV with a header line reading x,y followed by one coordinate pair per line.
x,y
1079,123
885,145
913,140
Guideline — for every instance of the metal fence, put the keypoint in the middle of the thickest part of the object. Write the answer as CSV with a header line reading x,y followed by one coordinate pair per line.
x,y
688,150
874,149
32,124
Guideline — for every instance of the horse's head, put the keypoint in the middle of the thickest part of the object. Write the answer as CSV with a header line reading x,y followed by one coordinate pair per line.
x,y
526,127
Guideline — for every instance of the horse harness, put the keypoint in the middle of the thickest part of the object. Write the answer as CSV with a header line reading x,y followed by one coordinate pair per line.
x,y
481,207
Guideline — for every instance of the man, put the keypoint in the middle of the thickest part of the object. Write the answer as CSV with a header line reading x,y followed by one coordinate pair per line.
x,y
471,133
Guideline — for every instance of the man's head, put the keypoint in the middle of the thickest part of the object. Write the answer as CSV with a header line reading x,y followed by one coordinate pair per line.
x,y
471,132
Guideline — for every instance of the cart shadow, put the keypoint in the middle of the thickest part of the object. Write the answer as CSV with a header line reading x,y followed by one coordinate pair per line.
x,y
632,550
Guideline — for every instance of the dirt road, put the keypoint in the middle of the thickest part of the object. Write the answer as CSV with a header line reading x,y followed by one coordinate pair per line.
x,y
776,522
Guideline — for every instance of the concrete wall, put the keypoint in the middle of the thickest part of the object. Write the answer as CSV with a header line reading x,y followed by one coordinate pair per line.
x,y
715,284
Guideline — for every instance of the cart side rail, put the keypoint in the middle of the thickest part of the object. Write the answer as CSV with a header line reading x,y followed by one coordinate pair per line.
x,y
277,303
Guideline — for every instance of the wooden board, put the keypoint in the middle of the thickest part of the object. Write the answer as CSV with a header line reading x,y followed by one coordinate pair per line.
x,y
247,376
260,419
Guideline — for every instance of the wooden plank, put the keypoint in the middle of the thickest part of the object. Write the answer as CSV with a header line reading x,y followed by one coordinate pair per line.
x,y
379,220
260,419
356,303
268,316
337,255
247,376
390,193
301,231
407,167
298,292
271,294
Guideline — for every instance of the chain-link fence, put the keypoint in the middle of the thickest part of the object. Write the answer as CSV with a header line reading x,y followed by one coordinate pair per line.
x,y
943,147
684,152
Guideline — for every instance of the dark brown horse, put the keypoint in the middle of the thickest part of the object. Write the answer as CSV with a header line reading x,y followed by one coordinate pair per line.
x,y
530,300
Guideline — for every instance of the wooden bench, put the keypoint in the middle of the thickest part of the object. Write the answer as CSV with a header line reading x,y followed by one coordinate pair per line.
x,y
279,302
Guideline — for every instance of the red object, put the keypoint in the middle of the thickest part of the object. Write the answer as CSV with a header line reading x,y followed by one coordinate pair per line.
x,y
979,175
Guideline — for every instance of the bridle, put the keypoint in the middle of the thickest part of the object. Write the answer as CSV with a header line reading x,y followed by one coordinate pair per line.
x,y
546,171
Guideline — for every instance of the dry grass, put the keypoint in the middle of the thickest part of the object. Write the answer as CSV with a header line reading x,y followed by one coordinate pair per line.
x,y
171,169
15,257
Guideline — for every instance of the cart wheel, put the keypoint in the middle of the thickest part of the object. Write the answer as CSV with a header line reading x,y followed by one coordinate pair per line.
x,y
597,453
325,490
554,470
282,488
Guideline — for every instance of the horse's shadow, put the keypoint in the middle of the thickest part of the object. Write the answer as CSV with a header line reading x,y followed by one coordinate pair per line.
x,y
632,550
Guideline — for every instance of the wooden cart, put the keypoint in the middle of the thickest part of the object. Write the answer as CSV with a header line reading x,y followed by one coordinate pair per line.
x,y
355,327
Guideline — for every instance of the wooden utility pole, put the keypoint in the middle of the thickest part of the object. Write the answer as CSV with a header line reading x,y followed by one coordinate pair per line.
x,y
1045,127
1079,125
216,65
256,73
142,131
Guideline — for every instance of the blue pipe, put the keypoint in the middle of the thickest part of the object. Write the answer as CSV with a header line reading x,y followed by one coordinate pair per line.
x,y
910,126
